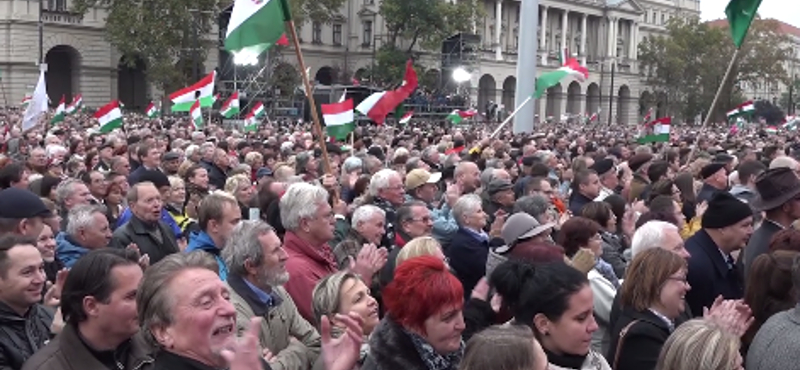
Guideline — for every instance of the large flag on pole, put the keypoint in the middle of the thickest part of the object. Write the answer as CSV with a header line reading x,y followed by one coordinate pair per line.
x,y
256,25
61,111
250,123
258,110
457,116
740,15
37,104
743,109
109,116
231,106
339,118
571,69
378,105
185,98
197,115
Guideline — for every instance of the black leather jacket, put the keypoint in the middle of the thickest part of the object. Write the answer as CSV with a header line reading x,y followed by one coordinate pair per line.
x,y
21,337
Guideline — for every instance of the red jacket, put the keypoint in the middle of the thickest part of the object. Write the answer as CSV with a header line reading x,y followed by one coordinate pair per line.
x,y
306,266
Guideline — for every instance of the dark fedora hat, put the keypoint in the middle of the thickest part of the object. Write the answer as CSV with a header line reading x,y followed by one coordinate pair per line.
x,y
775,187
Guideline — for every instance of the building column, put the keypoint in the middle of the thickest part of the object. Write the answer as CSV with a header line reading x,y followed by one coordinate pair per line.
x,y
498,28
543,34
610,37
634,41
583,39
564,29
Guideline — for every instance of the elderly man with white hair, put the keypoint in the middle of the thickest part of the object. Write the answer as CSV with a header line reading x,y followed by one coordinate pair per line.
x,y
469,247
366,227
309,223
651,235
387,192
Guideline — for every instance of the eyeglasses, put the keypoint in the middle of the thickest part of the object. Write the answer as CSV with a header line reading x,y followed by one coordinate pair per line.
x,y
681,279
423,219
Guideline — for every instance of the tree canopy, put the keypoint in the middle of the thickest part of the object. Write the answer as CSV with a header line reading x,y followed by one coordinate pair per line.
x,y
688,65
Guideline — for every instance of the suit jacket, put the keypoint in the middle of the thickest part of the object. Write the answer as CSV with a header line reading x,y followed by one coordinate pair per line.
x,y
777,343
759,243
642,343
468,256
709,274
136,232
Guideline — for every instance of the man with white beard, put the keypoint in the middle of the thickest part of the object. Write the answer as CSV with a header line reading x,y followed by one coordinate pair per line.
x,y
256,263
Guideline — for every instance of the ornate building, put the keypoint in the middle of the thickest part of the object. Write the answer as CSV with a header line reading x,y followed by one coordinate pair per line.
x,y
599,33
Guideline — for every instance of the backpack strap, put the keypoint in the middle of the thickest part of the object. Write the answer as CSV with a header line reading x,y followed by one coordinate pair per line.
x,y
621,341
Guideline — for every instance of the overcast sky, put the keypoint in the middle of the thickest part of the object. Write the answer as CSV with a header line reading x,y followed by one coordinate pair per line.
x,y
784,10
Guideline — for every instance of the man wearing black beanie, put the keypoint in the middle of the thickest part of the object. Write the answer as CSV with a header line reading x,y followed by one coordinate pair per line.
x,y
727,226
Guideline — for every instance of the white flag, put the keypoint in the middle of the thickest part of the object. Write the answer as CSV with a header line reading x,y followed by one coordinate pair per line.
x,y
37,106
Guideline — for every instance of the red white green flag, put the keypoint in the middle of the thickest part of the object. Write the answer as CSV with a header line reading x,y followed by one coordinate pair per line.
x,y
76,104
231,106
152,111
258,110
256,25
185,98
61,111
570,70
197,115
109,117
406,117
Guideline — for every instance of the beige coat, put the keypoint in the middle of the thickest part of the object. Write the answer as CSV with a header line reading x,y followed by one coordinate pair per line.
x,y
284,332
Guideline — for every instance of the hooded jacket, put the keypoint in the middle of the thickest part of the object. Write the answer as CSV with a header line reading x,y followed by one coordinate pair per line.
x,y
68,251
202,241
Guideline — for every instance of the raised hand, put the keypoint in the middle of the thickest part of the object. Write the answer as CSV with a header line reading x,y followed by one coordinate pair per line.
x,y
245,353
52,298
341,353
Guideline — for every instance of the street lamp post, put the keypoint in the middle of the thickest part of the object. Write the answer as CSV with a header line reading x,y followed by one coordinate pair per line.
x,y
461,75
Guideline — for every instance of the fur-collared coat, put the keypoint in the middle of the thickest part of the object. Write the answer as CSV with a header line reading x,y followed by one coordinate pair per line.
x,y
392,349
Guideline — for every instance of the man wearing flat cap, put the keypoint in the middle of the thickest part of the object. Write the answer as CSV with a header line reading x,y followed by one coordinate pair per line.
x,y
607,173
778,191
727,226
499,196
639,164
715,179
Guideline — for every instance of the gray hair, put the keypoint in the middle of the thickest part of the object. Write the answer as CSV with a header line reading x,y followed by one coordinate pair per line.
x,y
66,188
351,164
300,201
451,160
380,180
650,236
243,245
429,152
544,155
364,213
405,212
465,205
191,149
82,216
534,205
154,300
327,294
487,175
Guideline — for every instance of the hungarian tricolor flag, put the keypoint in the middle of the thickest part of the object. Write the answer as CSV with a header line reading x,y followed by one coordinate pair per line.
x,y
406,117
184,99
256,25
563,56
197,115
250,123
458,115
25,101
231,106
660,134
109,117
152,111
339,118
61,110
76,104
594,116
648,116
570,70
378,105
258,110
743,109
772,129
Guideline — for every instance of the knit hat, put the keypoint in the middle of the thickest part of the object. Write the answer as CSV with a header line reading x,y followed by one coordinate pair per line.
x,y
710,169
603,166
637,161
725,210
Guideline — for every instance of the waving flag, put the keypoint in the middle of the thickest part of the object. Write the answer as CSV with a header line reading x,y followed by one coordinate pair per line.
x,y
197,115
740,15
570,70
76,104
378,105
152,111
661,131
339,118
231,106
61,111
109,116
743,109
203,90
257,25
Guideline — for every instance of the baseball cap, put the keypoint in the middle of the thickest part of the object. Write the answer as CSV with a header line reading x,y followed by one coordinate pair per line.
x,y
520,226
419,177
19,203
170,156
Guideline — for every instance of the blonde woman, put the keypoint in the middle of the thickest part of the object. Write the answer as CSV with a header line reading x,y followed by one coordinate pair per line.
x,y
418,247
344,293
700,345
242,189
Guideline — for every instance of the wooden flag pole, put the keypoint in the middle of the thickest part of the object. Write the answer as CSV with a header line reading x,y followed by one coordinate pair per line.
x,y
714,102
310,96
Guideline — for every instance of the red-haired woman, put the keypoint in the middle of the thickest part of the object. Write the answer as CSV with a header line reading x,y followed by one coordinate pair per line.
x,y
423,325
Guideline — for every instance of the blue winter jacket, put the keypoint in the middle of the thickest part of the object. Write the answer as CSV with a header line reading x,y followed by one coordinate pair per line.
x,y
165,216
67,251
201,241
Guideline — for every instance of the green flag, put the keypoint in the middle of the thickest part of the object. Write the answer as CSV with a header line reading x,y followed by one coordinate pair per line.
x,y
740,15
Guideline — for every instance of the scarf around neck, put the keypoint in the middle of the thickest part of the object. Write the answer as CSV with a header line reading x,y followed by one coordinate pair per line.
x,y
432,359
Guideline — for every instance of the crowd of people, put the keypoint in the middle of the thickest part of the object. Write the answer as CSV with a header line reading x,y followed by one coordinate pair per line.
x,y
420,247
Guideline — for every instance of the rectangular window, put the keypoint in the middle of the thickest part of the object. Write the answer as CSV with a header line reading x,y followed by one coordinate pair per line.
x,y
367,37
316,33
337,34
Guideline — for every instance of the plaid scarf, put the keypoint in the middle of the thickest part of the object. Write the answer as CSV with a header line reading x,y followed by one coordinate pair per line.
x,y
432,359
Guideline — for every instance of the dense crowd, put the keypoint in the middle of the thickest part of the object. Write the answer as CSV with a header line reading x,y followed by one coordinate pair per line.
x,y
417,247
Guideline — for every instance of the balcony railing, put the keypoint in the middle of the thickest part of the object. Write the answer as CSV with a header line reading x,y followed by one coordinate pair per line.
x,y
64,17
